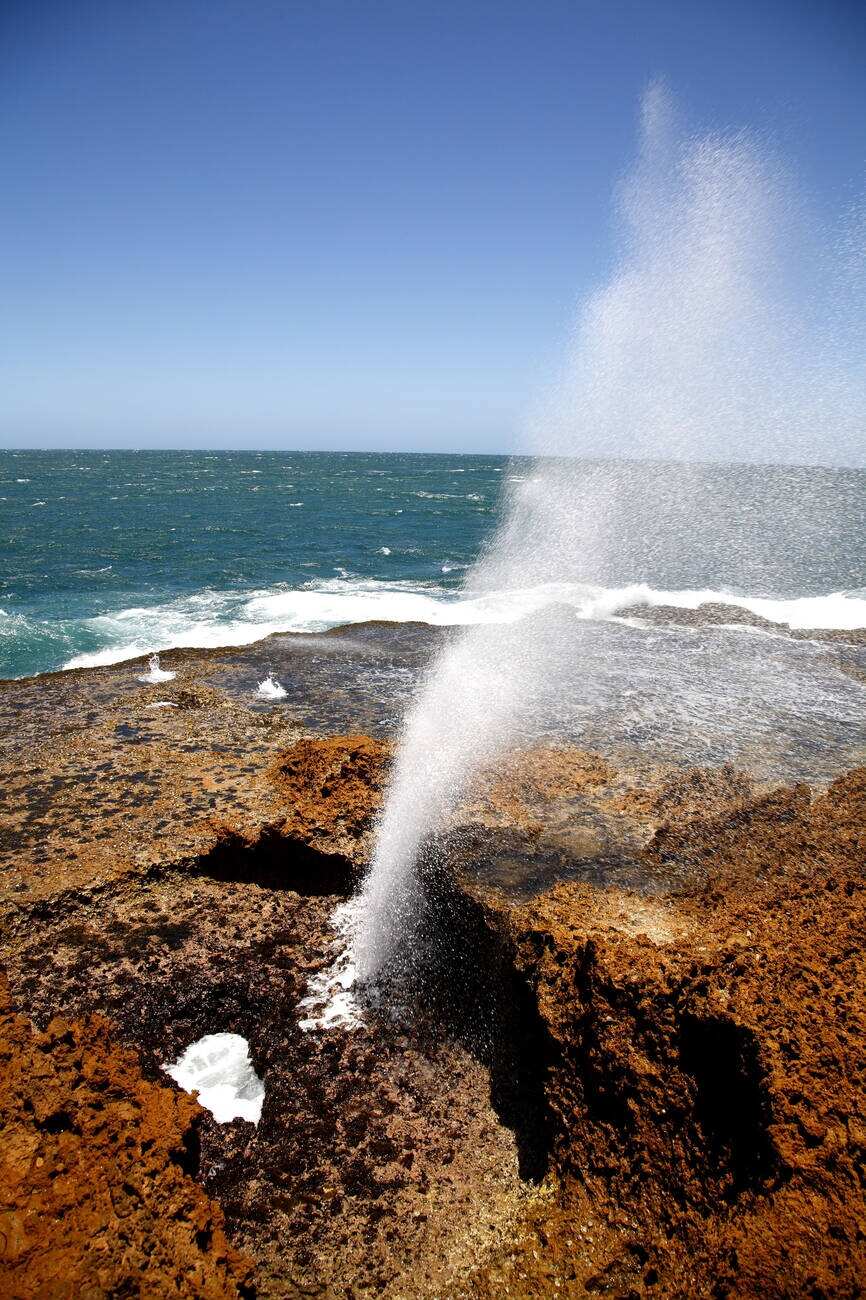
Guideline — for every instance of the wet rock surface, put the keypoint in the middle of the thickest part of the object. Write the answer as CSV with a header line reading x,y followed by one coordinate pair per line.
x,y
714,613
376,1148
633,1061
204,904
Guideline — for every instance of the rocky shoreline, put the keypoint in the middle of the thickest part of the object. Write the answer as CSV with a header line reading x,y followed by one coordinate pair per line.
x,y
639,1070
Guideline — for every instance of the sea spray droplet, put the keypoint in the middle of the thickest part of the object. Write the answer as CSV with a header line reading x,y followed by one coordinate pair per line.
x,y
330,1000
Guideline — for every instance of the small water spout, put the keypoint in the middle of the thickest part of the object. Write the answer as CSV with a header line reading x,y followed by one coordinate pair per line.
x,y
270,689
155,674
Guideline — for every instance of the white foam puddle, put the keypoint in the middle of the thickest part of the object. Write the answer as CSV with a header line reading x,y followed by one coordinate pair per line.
x,y
330,1001
156,674
219,1068
270,689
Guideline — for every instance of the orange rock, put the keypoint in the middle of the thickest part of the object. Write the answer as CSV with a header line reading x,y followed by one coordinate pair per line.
x,y
333,786
94,1194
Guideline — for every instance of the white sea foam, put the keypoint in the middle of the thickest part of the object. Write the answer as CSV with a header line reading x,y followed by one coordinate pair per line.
x,y
330,1000
213,619
219,1068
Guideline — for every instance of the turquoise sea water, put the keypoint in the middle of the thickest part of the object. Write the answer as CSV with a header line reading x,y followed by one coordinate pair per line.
x,y
106,555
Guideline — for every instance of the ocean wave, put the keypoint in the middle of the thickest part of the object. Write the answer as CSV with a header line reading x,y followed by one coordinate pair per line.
x,y
24,639
839,610
448,496
210,619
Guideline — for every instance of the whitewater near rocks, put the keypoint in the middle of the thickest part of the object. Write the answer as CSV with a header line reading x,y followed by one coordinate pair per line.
x,y
88,596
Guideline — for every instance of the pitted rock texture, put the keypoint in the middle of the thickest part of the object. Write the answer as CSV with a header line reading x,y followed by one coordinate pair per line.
x,y
380,1154
709,1087
660,1091
96,1198
333,787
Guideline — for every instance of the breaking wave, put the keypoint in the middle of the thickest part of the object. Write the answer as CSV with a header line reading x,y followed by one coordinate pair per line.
x,y
211,619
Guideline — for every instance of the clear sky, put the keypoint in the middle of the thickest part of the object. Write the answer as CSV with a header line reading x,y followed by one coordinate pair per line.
x,y
351,223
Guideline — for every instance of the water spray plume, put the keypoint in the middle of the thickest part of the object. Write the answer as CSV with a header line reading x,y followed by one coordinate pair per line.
x,y
155,674
709,342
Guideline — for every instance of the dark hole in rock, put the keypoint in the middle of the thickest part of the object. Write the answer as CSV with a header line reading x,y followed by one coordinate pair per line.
x,y
128,731
276,861
188,1157
731,1102
60,1122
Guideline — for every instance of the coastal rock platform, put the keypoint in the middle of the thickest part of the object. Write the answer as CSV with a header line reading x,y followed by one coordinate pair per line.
x,y
638,1066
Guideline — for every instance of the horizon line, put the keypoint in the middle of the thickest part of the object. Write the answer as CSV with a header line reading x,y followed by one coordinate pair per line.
x,y
498,455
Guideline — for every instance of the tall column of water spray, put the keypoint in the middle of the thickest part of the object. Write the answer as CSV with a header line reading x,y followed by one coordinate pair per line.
x,y
697,343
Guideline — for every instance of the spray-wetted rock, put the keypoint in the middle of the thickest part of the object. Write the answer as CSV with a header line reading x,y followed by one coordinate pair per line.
x,y
654,1004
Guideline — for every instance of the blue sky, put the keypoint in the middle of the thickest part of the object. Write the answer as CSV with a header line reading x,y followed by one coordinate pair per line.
x,y
352,224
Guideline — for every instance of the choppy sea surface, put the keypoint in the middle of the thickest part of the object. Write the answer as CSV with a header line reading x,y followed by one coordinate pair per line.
x,y
105,556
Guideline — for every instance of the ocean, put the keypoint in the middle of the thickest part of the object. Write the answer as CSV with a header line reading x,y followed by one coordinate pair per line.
x,y
107,555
